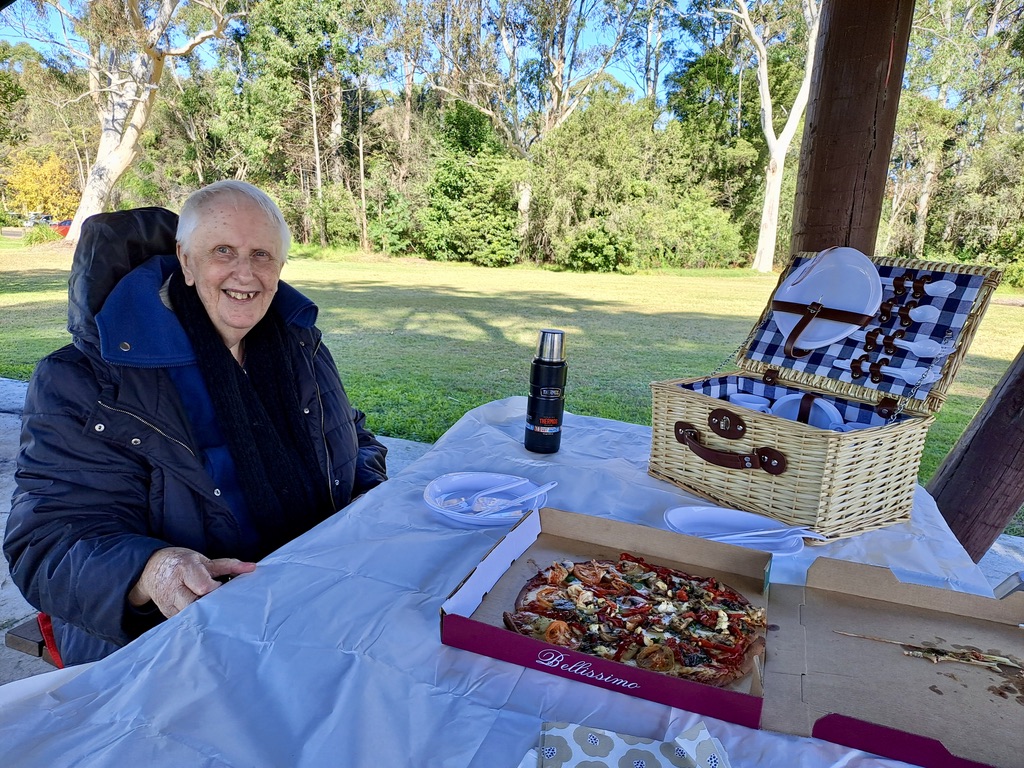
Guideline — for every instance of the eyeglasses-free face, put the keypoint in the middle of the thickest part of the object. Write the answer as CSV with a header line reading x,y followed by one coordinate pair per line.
x,y
233,262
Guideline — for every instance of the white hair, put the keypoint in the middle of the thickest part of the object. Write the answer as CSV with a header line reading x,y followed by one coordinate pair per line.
x,y
191,211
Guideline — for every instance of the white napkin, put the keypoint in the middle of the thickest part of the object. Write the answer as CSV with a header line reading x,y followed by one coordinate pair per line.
x,y
566,745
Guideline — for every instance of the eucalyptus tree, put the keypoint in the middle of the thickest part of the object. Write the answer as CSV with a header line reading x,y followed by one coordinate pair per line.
x,y
961,107
528,64
764,24
652,43
124,47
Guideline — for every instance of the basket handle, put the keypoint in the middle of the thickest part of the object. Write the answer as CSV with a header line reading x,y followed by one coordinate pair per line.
x,y
770,460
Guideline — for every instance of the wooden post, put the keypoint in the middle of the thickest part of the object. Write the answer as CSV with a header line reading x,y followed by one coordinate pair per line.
x,y
850,121
980,485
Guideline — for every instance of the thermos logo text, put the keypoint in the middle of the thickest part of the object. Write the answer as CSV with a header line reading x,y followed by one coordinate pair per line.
x,y
550,392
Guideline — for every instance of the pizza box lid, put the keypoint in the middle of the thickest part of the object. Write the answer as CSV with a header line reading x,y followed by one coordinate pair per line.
x,y
867,694
959,314
471,617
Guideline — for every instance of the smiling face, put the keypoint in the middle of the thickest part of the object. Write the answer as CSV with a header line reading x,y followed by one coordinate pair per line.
x,y
234,261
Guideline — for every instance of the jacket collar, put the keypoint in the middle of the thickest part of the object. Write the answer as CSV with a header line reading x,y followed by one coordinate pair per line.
x,y
137,329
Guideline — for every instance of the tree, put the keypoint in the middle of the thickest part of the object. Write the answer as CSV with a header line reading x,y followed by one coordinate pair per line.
x,y
44,186
651,42
769,19
10,94
615,193
528,64
959,121
124,46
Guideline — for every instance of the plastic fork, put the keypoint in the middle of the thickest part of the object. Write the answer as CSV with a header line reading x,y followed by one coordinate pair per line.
x,y
468,502
485,506
767,534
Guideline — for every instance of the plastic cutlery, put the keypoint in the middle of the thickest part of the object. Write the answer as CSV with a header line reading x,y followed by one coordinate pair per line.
x,y
467,502
938,288
925,314
909,375
765,534
490,506
920,348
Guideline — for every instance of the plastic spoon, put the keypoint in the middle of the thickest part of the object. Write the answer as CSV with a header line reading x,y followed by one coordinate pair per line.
x,y
467,502
938,288
490,506
920,348
909,375
925,314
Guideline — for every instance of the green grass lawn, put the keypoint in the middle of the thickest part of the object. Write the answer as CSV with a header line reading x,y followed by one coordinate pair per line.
x,y
419,343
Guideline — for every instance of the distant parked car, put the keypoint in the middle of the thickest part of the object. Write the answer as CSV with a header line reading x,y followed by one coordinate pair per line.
x,y
36,219
62,227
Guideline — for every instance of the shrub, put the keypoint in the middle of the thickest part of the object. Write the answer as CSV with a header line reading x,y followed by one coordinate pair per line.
x,y
41,234
1013,274
595,249
472,213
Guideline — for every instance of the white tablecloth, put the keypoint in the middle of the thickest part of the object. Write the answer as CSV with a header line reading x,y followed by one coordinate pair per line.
x,y
329,654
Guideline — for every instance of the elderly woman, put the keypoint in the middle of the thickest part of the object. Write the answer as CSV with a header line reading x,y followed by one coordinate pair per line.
x,y
196,423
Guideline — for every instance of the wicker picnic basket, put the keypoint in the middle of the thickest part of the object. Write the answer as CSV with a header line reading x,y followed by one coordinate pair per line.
x,y
839,483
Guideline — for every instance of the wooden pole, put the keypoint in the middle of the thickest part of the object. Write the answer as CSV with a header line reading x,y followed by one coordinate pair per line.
x,y
980,485
850,122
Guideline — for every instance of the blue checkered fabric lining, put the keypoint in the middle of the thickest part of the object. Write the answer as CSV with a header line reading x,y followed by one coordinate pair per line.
x,y
768,342
720,387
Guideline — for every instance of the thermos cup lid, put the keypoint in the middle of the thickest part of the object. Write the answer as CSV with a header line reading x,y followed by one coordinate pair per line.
x,y
551,345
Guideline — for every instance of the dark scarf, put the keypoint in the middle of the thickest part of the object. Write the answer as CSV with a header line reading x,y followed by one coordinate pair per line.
x,y
260,417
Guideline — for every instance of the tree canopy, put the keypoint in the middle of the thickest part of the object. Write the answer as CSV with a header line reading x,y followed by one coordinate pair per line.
x,y
592,136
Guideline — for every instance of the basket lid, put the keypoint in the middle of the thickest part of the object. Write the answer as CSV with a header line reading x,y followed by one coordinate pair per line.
x,y
905,347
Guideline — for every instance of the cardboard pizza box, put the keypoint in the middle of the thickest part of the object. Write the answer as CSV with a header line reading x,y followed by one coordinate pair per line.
x,y
868,694
859,692
471,617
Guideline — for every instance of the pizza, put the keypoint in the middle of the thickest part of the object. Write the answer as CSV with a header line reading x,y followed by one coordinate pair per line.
x,y
643,615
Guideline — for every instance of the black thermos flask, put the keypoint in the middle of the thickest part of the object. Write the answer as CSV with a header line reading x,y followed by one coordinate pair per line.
x,y
546,402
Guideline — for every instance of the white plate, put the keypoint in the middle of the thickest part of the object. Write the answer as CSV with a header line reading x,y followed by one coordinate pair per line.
x,y
694,521
822,415
459,484
839,278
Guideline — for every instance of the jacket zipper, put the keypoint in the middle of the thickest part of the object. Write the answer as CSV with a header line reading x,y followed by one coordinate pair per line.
x,y
323,435
148,424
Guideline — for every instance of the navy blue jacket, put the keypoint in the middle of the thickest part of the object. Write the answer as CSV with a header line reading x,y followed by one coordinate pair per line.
x,y
109,470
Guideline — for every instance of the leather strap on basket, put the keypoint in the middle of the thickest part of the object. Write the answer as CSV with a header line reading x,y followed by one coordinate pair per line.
x,y
803,415
808,312
770,460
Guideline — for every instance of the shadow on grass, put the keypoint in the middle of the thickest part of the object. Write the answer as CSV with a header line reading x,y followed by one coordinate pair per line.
x,y
417,358
33,281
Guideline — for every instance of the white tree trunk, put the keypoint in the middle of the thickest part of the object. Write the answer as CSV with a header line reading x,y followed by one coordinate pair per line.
x,y
525,196
364,235
125,68
764,258
778,145
123,113
923,206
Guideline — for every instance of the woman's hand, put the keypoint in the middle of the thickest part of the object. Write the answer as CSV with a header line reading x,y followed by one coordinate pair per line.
x,y
175,577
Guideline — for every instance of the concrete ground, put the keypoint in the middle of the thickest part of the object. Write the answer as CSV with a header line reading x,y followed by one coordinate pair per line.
x,y
1006,557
